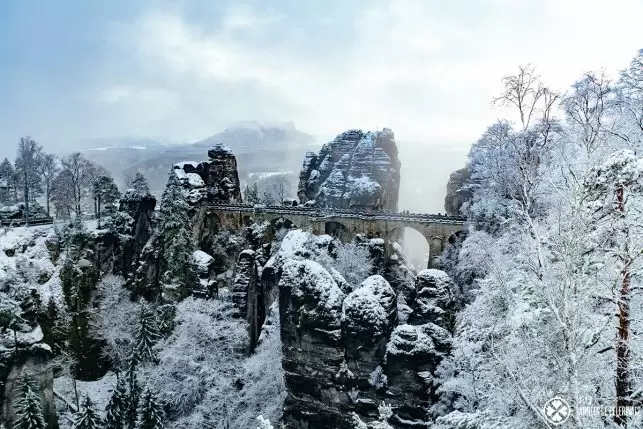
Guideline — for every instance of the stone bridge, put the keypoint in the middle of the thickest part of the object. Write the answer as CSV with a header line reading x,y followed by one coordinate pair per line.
x,y
342,223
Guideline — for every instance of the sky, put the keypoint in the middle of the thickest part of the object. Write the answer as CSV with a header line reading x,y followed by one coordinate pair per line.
x,y
72,70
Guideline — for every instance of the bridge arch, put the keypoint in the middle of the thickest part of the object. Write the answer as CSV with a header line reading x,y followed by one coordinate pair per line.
x,y
415,246
279,225
338,230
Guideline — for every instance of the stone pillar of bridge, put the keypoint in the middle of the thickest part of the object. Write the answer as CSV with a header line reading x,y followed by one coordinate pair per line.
x,y
435,250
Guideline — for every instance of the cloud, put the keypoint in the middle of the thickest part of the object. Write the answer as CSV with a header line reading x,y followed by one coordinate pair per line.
x,y
422,68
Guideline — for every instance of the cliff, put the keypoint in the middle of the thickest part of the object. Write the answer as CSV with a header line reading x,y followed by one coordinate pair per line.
x,y
359,170
347,348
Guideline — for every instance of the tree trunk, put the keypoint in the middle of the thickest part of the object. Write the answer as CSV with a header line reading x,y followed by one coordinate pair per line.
x,y
623,353
26,194
97,205
47,196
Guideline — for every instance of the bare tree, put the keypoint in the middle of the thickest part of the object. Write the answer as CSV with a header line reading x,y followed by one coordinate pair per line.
x,y
61,194
280,189
80,174
8,175
587,107
48,169
27,161
523,91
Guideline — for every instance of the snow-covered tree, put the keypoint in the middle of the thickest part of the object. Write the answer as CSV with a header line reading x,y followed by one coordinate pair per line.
x,y
10,316
115,320
264,391
146,334
353,261
116,410
27,162
177,237
8,179
615,202
150,412
106,193
61,194
587,109
48,168
191,379
28,408
140,185
77,178
629,105
133,394
251,194
87,417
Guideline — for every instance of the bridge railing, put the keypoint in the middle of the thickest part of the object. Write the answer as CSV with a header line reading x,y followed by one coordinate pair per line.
x,y
321,212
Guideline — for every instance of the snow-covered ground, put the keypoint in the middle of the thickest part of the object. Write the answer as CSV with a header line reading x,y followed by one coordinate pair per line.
x,y
99,391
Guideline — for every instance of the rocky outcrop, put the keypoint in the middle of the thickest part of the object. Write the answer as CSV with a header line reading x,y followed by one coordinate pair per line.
x,y
204,267
347,351
358,170
246,295
33,359
23,352
434,302
214,180
459,191
310,305
141,209
412,357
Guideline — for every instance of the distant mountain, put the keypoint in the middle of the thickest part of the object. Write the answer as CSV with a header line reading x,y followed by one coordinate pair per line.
x,y
259,148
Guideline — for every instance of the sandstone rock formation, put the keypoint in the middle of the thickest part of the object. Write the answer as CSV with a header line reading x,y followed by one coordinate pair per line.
x,y
33,358
358,170
215,180
346,350
459,191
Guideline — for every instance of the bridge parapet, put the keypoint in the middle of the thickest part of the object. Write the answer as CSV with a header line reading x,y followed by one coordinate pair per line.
x,y
436,229
317,212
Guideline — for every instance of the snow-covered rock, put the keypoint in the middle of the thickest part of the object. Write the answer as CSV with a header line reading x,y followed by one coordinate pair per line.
x,y
356,170
434,302
315,294
370,310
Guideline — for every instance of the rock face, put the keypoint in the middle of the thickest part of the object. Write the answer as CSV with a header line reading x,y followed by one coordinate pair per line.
x,y
246,291
358,170
24,352
459,191
215,180
310,305
347,349
34,360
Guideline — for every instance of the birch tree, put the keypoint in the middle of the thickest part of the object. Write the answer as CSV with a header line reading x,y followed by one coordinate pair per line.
x,y
27,166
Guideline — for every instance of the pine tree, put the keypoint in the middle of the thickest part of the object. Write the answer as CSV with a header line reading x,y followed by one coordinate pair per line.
x,y
87,418
177,236
28,408
151,412
251,194
116,410
105,193
180,263
7,178
140,185
174,209
146,335
134,394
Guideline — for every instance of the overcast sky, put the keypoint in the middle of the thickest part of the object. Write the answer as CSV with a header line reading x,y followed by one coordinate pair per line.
x,y
183,70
